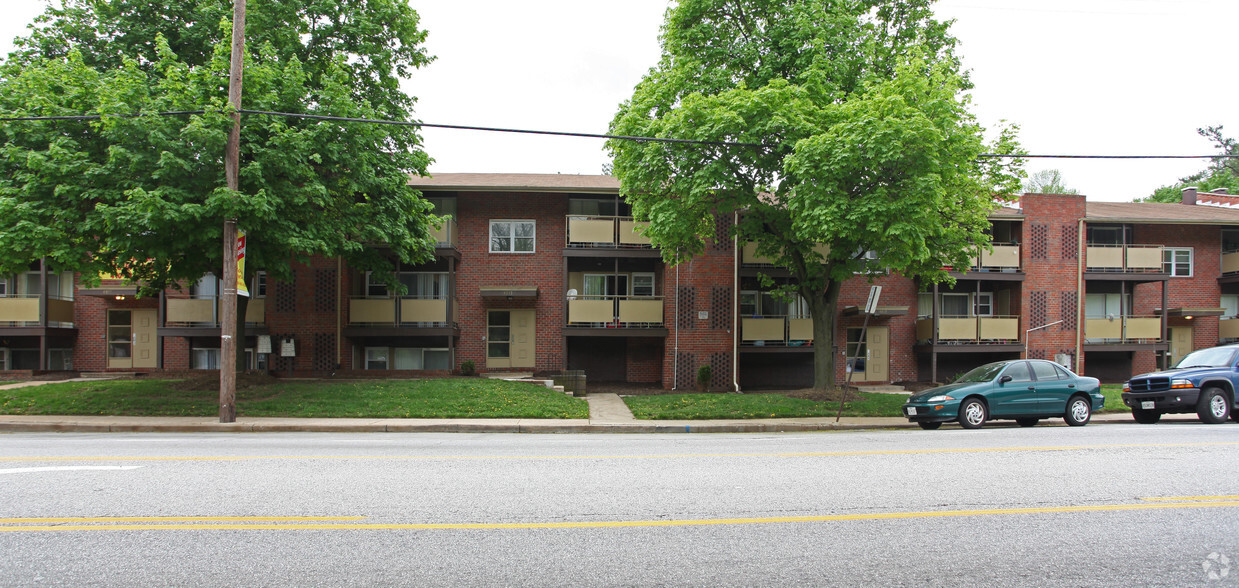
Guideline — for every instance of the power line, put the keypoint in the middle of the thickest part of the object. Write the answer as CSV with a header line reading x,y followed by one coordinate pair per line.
x,y
567,134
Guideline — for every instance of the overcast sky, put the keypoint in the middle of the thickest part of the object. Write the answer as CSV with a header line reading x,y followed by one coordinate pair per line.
x,y
1087,77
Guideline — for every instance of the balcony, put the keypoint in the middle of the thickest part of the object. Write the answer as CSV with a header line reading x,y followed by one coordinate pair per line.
x,y
405,311
615,311
1005,257
445,236
750,258
1228,328
605,232
204,312
1123,329
970,329
1230,263
1119,259
23,311
776,331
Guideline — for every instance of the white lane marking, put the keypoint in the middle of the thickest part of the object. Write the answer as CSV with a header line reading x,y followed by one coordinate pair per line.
x,y
66,469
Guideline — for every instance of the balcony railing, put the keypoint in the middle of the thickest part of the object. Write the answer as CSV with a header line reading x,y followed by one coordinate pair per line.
x,y
405,311
1129,259
1005,257
605,231
1230,262
445,236
749,256
1228,328
1123,329
205,312
970,329
615,311
776,331
22,310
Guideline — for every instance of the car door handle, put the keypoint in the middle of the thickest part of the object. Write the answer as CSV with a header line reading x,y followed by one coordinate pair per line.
x,y
1032,387
1071,385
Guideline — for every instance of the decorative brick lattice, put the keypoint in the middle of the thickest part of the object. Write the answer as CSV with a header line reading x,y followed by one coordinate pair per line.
x,y
285,297
686,303
1037,309
720,308
324,290
722,230
1036,354
1039,241
1069,309
685,371
324,352
1071,241
720,370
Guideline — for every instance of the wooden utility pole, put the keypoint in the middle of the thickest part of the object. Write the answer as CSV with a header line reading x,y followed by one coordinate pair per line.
x,y
232,164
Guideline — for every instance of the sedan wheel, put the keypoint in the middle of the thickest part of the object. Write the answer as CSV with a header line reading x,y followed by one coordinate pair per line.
x,y
1213,406
1079,411
972,414
930,426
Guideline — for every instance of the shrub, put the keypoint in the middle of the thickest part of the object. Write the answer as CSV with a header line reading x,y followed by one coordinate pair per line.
x,y
467,368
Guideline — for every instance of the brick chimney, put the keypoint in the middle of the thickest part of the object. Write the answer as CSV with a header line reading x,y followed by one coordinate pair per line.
x,y
1189,195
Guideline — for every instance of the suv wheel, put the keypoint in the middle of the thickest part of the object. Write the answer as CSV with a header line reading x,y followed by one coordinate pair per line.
x,y
1145,417
1213,406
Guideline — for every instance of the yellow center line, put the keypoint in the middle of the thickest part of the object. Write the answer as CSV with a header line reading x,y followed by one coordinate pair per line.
x,y
962,450
622,524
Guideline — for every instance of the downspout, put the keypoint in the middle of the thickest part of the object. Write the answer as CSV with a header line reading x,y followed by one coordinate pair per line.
x,y
1081,237
339,310
735,308
675,316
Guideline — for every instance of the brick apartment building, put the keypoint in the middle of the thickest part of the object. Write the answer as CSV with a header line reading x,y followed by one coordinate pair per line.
x,y
541,273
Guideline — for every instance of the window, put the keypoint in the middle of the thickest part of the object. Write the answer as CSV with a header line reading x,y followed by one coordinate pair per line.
x,y
1109,234
512,236
748,303
1230,302
924,304
375,288
984,304
599,285
4,359
598,207
424,285
204,359
255,361
206,287
498,334
259,288
443,205
1099,306
416,358
376,358
643,284
1230,240
857,350
4,287
954,305
1046,372
1177,261
1018,372
119,334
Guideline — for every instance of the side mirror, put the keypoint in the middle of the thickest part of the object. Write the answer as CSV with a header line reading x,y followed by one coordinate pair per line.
x,y
1004,379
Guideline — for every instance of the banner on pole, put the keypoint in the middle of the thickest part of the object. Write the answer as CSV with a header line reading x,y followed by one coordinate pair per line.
x,y
242,289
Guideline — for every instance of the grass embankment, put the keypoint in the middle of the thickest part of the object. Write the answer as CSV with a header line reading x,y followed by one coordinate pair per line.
x,y
442,398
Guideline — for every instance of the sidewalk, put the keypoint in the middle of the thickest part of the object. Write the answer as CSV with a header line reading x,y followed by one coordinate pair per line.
x,y
607,414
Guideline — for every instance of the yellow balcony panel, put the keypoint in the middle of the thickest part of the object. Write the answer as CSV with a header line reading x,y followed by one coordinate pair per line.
x,y
800,329
445,236
1228,328
762,329
924,329
1104,257
414,310
641,311
628,233
1144,258
374,311
1000,328
591,311
19,310
256,311
749,255
1230,263
591,230
1103,328
1003,256
60,311
191,310
957,329
1144,328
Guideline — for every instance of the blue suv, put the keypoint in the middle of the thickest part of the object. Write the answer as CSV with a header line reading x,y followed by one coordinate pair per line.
x,y
1203,382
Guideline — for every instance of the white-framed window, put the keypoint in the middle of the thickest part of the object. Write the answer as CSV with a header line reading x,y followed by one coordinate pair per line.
x,y
924,304
748,303
443,205
59,359
1177,261
599,285
955,305
259,288
417,358
1230,305
984,304
498,334
4,359
425,285
1099,306
376,358
512,236
204,359
206,287
4,287
255,361
643,284
375,288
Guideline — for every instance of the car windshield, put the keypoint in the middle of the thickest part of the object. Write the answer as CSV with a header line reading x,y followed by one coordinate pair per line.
x,y
984,373
1212,357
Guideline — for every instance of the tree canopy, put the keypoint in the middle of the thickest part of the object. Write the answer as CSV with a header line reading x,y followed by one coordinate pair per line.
x,y
1222,172
143,197
867,146
1049,181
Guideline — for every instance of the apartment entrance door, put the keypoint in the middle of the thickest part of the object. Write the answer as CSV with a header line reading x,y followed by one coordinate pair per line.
x,y
869,360
131,338
510,339
1180,343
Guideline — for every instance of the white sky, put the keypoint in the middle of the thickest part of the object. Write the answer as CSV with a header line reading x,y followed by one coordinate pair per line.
x,y
1092,77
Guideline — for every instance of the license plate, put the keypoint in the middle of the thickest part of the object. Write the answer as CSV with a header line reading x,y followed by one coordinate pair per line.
x,y
911,411
1147,405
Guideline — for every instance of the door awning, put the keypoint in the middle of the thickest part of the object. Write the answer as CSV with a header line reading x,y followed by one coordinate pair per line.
x,y
509,291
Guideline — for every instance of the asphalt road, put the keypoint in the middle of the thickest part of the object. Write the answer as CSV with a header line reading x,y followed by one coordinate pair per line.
x,y
1115,505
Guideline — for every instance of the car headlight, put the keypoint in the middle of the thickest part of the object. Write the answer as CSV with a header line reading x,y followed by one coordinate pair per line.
x,y
1181,384
940,398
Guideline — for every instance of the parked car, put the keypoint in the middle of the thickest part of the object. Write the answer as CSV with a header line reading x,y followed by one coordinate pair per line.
x,y
1202,382
1026,390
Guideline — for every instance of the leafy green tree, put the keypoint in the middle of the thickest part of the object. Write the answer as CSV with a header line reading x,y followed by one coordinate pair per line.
x,y
143,198
866,143
1223,172
1049,181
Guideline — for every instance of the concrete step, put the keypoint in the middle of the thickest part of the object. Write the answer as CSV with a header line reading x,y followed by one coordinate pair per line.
x,y
883,389
106,375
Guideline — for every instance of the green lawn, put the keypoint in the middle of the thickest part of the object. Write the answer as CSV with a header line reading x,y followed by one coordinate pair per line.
x,y
443,398
757,406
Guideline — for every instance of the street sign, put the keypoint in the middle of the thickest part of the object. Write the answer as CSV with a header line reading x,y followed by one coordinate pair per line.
x,y
871,307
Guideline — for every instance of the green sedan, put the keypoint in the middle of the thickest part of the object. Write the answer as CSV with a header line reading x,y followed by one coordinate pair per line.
x,y
1025,390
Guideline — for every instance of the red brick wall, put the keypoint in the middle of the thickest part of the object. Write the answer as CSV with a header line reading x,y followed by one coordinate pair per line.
x,y
1050,254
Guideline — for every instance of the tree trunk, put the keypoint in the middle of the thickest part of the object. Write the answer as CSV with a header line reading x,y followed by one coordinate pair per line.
x,y
822,305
